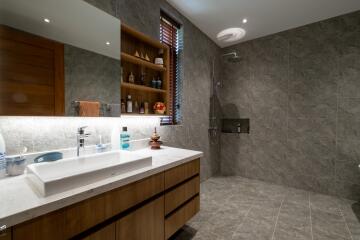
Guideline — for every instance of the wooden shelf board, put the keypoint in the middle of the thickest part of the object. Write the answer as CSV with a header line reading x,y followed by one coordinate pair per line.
x,y
142,37
128,58
141,88
146,115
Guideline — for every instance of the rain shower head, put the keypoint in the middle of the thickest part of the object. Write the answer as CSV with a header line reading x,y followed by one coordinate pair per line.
x,y
232,57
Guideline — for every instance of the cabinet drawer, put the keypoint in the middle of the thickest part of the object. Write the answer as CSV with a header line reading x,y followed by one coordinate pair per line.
x,y
178,219
84,215
5,235
146,222
180,173
128,196
106,233
49,226
181,194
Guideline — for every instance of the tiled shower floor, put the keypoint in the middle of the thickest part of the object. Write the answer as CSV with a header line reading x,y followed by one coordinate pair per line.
x,y
239,208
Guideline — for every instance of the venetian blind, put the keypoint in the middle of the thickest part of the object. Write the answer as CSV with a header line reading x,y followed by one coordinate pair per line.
x,y
171,35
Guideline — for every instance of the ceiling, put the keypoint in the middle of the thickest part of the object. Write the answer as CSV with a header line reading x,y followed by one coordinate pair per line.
x,y
72,22
264,16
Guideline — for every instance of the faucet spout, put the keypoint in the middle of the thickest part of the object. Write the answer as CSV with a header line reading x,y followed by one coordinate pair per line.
x,y
80,139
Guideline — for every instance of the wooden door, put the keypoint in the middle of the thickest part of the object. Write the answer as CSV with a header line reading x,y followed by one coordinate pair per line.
x,y
31,74
146,222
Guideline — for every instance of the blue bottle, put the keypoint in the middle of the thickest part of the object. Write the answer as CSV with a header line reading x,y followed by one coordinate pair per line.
x,y
124,139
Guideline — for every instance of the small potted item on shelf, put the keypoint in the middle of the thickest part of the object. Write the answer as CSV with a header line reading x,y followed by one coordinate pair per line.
x,y
142,109
122,74
160,60
147,58
159,83
153,83
131,78
123,106
142,56
142,79
155,143
159,108
136,107
146,107
137,54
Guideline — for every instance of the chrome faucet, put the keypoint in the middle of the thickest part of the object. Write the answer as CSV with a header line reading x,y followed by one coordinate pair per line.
x,y
80,139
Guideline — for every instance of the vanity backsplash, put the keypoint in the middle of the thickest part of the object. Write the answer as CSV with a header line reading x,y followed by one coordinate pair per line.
x,y
46,134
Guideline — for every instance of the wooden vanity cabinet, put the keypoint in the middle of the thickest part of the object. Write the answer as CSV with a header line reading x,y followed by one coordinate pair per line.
x,y
146,222
153,208
5,235
182,201
106,233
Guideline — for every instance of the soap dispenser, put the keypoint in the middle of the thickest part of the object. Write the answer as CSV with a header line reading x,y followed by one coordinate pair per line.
x,y
125,139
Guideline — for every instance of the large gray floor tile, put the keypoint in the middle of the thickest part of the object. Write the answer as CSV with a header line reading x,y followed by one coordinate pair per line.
x,y
244,209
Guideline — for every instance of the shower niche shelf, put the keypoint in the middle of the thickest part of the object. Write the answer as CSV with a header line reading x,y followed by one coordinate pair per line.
x,y
236,125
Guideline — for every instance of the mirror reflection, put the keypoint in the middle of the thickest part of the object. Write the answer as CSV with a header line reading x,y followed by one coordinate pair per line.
x,y
58,58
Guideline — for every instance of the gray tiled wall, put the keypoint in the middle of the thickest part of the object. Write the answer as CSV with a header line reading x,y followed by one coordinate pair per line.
x,y
301,90
90,76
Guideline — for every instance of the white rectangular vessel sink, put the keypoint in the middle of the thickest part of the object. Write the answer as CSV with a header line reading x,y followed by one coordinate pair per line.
x,y
54,177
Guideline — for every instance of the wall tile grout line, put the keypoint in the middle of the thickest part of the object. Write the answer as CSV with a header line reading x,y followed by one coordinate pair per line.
x,y
347,226
337,120
238,227
277,218
311,225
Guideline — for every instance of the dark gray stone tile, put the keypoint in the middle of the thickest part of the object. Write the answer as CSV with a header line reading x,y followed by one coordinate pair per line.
x,y
312,155
328,236
260,229
349,118
347,190
287,233
320,202
297,197
326,223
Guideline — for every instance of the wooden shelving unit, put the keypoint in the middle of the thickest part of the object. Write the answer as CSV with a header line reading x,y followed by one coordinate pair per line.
x,y
141,88
132,41
128,58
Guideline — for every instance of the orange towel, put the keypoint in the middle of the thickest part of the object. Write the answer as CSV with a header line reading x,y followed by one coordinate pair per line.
x,y
89,109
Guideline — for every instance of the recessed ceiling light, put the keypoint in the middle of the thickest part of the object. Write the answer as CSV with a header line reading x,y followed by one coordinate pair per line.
x,y
107,43
231,34
244,20
46,20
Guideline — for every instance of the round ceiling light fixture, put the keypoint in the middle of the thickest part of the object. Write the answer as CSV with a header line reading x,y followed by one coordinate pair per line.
x,y
244,20
46,20
231,34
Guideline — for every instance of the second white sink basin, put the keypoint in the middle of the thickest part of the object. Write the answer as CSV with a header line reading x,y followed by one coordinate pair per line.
x,y
54,177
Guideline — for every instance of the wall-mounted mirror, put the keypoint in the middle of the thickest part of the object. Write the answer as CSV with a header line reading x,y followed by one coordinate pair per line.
x,y
58,58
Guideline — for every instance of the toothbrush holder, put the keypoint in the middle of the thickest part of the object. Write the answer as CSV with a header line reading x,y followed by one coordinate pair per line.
x,y
15,165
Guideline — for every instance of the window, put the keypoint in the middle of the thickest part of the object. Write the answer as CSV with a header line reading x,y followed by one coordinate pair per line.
x,y
171,35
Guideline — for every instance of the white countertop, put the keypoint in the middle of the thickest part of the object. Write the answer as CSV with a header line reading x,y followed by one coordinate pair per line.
x,y
19,203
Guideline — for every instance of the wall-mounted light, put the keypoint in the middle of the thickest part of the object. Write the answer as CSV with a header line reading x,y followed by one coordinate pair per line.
x,y
46,20
244,20
108,43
